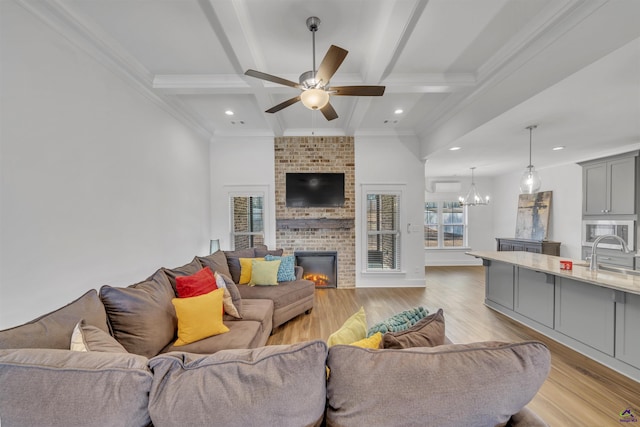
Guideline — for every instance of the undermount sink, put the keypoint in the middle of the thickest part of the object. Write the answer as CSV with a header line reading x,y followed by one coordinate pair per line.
x,y
620,270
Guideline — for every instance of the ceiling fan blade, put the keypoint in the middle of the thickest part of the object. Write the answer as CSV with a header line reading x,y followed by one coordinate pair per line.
x,y
330,63
328,112
357,90
283,105
271,78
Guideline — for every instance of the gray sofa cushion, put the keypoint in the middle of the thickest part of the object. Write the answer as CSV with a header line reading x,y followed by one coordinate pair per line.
x,y
427,332
262,250
53,330
67,388
259,310
251,331
233,261
242,334
217,261
284,294
141,316
236,297
185,270
267,386
95,339
481,384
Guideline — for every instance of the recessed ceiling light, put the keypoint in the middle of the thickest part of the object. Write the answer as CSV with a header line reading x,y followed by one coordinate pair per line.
x,y
454,148
398,111
558,148
229,113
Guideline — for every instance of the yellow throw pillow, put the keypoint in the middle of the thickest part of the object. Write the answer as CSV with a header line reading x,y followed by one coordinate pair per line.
x,y
264,272
199,317
245,269
354,329
372,342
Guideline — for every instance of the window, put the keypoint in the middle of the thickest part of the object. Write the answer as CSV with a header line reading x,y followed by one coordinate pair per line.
x,y
383,234
445,225
247,220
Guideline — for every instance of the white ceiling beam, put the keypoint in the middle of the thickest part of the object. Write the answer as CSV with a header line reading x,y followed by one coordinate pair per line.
x,y
232,26
181,84
391,38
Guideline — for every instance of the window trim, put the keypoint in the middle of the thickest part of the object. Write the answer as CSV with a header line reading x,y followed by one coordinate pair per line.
x,y
440,225
250,191
398,190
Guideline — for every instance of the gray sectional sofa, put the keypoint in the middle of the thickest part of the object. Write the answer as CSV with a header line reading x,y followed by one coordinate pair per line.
x,y
132,375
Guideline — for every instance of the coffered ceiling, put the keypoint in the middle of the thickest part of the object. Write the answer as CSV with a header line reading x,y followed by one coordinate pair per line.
x,y
466,73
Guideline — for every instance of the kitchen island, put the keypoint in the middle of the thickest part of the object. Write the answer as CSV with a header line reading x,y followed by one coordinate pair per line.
x,y
594,312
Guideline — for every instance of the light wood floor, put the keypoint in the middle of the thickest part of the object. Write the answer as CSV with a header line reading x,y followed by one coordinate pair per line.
x,y
578,391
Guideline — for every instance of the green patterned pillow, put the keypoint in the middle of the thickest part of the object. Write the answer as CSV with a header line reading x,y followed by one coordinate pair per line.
x,y
400,321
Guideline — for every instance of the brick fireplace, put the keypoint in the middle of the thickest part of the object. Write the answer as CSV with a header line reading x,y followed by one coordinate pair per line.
x,y
317,229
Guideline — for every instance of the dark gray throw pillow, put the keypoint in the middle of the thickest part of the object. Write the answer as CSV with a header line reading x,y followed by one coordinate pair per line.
x,y
141,316
186,270
427,332
217,262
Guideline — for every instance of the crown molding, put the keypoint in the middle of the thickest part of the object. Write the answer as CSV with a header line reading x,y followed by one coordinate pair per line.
x,y
108,53
242,134
313,132
384,133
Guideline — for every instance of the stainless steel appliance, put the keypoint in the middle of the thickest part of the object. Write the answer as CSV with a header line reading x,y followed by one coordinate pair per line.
x,y
592,229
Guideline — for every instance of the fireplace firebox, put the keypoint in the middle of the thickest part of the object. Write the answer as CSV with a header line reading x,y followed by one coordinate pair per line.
x,y
321,267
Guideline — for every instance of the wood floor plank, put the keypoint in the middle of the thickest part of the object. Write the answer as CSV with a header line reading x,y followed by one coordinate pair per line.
x,y
578,392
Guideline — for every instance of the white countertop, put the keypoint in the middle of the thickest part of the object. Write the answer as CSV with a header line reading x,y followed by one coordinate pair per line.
x,y
551,264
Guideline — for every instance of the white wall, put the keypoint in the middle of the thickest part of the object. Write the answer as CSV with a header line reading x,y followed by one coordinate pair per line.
x,y
238,164
99,185
392,160
498,219
479,219
566,206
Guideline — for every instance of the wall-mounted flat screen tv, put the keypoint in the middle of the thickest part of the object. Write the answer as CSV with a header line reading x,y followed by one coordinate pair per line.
x,y
319,190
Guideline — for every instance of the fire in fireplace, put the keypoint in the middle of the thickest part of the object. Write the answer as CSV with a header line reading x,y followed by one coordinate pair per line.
x,y
319,267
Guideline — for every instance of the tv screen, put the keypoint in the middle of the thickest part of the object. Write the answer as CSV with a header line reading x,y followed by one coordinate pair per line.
x,y
314,190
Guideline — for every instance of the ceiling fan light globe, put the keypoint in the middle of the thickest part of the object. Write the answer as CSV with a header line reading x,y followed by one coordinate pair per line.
x,y
314,99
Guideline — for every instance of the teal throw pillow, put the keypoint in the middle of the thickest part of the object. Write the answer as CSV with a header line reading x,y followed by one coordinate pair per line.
x,y
399,322
286,272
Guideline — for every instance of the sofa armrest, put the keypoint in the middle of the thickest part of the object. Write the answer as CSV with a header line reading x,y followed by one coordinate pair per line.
x,y
298,270
526,418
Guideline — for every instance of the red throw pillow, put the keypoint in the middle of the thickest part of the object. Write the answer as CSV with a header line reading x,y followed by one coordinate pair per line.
x,y
197,284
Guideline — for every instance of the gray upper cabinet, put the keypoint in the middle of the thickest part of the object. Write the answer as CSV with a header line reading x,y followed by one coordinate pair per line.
x,y
609,186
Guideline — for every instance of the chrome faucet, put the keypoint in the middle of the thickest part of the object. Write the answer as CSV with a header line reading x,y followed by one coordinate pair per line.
x,y
593,263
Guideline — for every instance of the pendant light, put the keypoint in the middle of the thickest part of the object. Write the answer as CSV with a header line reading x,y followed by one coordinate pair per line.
x,y
473,198
530,182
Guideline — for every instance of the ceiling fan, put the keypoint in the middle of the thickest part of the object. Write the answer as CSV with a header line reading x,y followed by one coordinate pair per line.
x,y
315,84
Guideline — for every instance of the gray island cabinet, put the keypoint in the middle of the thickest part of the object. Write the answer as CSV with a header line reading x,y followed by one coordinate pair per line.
x,y
595,313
